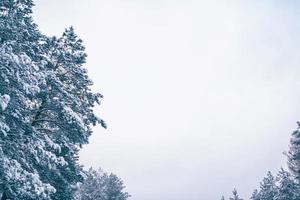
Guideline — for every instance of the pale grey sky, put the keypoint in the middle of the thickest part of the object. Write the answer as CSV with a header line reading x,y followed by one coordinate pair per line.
x,y
200,96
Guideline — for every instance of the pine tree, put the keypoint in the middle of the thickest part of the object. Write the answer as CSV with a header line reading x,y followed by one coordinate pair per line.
x,y
287,188
255,195
98,185
268,189
64,109
235,195
19,145
286,185
17,27
46,107
294,154
114,188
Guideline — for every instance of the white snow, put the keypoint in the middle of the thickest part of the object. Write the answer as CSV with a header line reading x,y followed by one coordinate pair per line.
x,y
74,115
4,128
4,100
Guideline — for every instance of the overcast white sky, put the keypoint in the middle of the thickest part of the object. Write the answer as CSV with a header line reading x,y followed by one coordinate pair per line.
x,y
200,96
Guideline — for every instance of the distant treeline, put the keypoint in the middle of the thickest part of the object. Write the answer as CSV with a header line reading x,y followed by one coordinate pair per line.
x,y
286,184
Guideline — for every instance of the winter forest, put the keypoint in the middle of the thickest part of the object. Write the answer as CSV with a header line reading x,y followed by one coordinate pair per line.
x,y
46,113
47,116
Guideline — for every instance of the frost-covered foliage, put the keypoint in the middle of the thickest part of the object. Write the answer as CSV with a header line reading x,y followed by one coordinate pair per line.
x,y
268,188
235,195
281,187
4,100
286,185
19,143
46,107
294,154
99,185
64,109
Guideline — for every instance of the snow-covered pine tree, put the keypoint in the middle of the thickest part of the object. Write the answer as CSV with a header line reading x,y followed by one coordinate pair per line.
x,y
65,109
287,188
93,186
98,185
294,154
20,145
45,108
17,27
235,195
268,189
114,189
255,195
